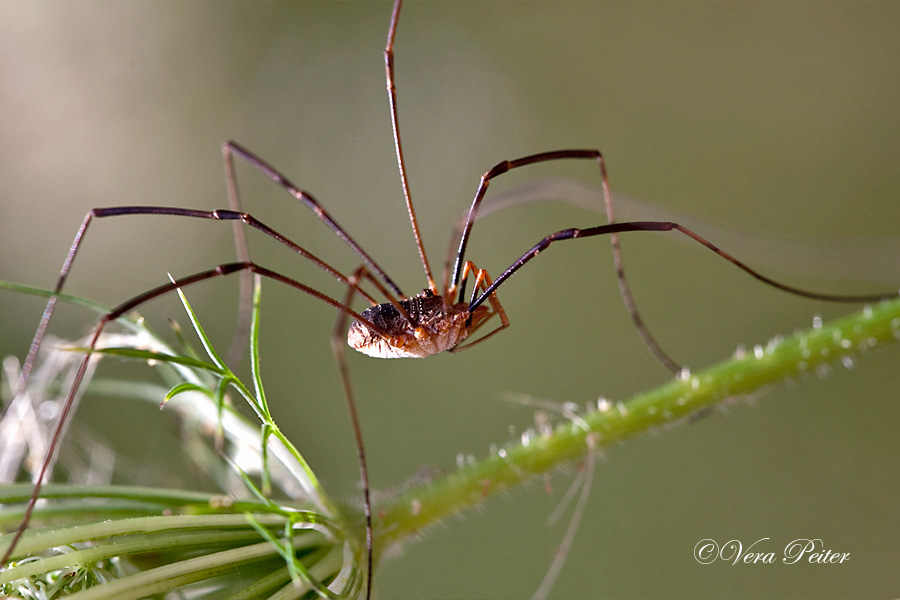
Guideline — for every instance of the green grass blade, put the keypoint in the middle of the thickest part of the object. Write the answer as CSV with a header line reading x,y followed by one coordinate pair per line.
x,y
149,355
204,339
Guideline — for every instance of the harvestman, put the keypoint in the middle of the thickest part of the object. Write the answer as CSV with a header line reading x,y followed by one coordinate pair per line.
x,y
435,320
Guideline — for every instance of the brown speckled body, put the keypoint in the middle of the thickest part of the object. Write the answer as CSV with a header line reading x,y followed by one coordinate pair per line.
x,y
432,327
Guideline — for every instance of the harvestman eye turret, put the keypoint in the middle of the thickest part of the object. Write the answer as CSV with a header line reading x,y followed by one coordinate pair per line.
x,y
394,325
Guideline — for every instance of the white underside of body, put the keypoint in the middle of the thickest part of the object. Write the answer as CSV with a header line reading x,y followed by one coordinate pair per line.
x,y
419,343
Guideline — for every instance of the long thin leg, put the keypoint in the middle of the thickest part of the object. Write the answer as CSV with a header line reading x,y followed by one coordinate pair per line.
x,y
496,170
227,215
567,234
133,303
230,215
339,349
231,148
624,287
401,164
613,228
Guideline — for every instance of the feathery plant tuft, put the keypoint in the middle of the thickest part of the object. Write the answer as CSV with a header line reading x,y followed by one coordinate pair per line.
x,y
131,542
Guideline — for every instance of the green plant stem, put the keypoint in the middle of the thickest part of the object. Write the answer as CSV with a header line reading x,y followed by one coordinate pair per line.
x,y
806,353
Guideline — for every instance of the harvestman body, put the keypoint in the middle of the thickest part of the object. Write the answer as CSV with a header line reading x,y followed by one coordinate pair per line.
x,y
428,327
433,321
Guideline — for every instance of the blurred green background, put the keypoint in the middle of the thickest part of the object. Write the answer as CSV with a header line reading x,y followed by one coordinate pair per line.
x,y
779,119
